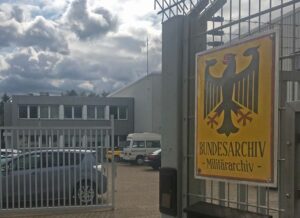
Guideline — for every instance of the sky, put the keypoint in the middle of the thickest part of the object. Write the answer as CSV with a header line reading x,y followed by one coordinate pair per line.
x,y
85,45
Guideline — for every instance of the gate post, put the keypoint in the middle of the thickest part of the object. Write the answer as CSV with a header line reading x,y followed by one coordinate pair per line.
x,y
172,46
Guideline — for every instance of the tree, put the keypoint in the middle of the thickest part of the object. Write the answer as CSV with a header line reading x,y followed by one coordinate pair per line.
x,y
4,99
70,93
104,93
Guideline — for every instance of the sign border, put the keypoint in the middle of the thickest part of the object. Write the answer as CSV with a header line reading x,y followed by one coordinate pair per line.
x,y
275,115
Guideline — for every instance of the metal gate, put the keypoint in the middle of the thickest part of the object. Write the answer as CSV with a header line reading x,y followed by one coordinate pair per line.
x,y
205,24
56,168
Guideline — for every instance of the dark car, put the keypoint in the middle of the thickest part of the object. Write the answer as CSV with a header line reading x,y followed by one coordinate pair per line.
x,y
50,175
154,159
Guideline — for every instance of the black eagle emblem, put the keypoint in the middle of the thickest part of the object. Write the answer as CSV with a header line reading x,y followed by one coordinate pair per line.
x,y
232,92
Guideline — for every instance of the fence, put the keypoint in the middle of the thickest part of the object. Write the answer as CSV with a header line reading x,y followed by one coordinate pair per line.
x,y
56,168
210,24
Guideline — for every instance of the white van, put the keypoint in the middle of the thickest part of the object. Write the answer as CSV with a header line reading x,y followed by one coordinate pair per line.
x,y
140,145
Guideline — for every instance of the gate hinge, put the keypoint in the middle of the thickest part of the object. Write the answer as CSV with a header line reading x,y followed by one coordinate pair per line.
x,y
282,108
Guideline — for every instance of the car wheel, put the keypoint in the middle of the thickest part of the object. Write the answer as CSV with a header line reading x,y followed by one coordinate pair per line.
x,y
86,193
140,160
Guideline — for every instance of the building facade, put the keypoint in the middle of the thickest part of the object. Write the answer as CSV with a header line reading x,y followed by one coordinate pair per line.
x,y
69,111
146,93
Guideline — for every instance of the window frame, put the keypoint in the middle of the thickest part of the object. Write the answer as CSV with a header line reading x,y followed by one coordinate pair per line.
x,y
30,109
87,112
126,112
73,112
25,106
50,111
97,117
40,112
68,118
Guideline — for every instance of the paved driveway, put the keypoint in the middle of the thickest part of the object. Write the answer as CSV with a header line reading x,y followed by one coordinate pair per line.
x,y
136,196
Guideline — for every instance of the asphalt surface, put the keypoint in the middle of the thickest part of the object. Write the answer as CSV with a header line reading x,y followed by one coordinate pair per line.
x,y
136,196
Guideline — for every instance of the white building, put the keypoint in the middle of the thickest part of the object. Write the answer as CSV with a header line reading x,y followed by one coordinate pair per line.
x,y
147,102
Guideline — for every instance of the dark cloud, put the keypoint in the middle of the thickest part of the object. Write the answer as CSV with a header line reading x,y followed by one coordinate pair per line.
x,y
44,34
16,84
88,24
40,33
31,64
40,53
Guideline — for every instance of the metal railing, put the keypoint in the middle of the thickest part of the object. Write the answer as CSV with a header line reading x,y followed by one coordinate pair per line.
x,y
44,168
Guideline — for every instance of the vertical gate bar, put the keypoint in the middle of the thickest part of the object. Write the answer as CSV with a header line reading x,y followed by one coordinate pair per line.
x,y
6,170
283,87
228,194
222,15
2,131
47,165
268,200
74,195
50,189
230,20
69,166
240,11
249,20
101,157
53,181
113,162
270,14
247,197
104,152
259,16
31,168
242,196
80,165
222,193
85,164
64,172
35,166
42,177
262,200
12,173
211,191
97,163
19,191
91,150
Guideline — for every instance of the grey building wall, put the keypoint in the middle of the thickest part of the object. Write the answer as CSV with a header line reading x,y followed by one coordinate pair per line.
x,y
122,127
147,102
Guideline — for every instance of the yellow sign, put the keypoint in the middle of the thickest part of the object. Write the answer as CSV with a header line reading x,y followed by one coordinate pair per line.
x,y
235,117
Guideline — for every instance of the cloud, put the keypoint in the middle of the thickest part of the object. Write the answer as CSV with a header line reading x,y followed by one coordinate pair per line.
x,y
87,24
81,46
44,34
40,33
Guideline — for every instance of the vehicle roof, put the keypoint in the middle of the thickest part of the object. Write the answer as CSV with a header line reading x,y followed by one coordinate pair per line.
x,y
61,150
145,135
10,150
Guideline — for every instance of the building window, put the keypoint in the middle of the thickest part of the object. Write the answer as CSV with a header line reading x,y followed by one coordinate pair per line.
x,y
23,111
101,112
68,112
122,113
91,112
44,112
113,110
77,112
54,111
33,111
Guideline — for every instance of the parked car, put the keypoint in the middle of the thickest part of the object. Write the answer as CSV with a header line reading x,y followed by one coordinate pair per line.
x,y
117,154
53,175
140,145
154,159
8,152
